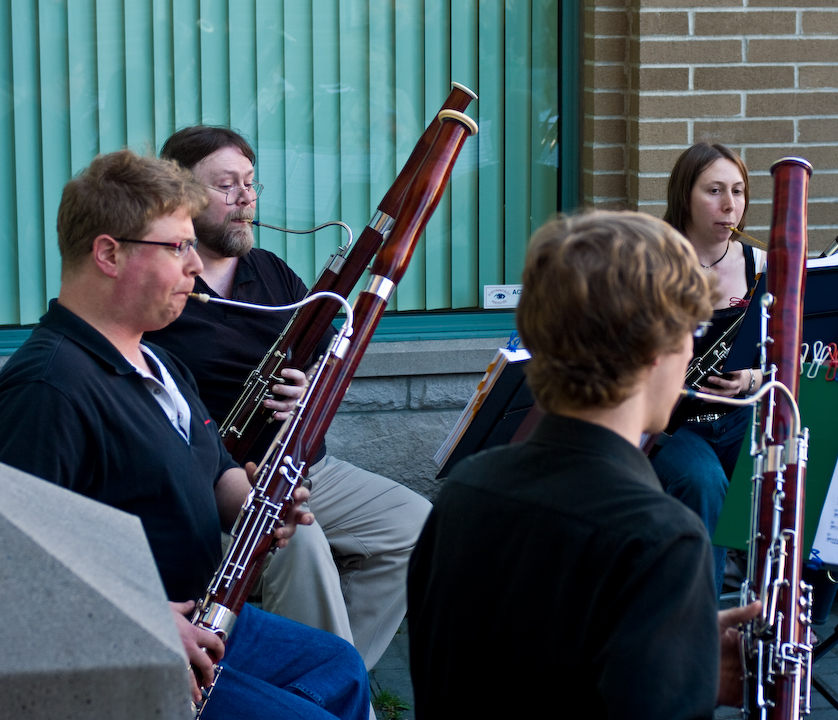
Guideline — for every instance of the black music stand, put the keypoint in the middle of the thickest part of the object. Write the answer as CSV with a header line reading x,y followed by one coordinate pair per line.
x,y
818,653
820,314
501,413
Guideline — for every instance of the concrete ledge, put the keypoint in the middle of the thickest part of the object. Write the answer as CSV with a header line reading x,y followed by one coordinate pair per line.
x,y
429,357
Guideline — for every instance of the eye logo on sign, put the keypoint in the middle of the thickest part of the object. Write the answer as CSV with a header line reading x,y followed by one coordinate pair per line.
x,y
501,296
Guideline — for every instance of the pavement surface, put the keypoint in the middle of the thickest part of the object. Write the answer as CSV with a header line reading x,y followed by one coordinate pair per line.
x,y
392,675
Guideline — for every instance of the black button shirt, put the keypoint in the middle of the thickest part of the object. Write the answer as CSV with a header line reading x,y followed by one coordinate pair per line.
x,y
557,573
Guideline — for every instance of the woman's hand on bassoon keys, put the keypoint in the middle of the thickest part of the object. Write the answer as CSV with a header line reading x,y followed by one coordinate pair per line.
x,y
286,394
736,384
731,671
203,648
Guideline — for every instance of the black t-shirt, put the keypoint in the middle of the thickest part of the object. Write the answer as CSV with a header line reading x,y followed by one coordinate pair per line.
x,y
74,411
559,564
724,318
721,322
222,345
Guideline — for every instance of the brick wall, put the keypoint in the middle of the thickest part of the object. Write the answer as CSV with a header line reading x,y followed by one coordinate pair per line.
x,y
758,75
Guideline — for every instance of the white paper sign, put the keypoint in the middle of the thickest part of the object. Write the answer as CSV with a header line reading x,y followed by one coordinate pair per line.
x,y
826,537
501,296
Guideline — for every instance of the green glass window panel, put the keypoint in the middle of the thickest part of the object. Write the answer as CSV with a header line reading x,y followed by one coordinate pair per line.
x,y
23,102
332,93
9,286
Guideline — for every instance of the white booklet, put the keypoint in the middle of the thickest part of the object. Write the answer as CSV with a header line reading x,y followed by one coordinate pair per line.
x,y
826,536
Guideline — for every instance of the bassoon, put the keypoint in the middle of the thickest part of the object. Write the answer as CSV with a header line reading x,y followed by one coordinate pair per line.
x,y
296,443
249,418
776,645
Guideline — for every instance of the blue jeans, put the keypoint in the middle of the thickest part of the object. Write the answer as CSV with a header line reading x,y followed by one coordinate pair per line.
x,y
277,668
695,466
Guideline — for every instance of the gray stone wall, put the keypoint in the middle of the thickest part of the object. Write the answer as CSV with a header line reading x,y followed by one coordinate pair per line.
x,y
403,402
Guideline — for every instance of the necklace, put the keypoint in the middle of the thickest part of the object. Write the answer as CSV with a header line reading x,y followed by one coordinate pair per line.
x,y
707,267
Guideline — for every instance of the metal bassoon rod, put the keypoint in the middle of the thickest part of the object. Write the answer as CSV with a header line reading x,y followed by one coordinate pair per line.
x,y
248,418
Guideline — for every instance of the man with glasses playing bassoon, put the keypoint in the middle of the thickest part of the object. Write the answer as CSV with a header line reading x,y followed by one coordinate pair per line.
x,y
347,573
126,427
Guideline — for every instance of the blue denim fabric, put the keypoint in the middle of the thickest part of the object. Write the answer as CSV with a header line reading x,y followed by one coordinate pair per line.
x,y
695,466
276,668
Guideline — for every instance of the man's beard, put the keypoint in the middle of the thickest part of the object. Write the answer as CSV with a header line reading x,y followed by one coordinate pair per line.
x,y
227,239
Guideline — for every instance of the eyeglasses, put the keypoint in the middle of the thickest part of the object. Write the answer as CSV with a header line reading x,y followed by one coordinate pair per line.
x,y
180,248
233,193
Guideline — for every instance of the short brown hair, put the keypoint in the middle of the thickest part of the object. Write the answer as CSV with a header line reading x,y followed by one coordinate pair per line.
x,y
190,145
688,167
121,194
604,294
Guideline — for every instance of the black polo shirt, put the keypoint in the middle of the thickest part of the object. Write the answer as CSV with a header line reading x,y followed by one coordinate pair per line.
x,y
75,412
221,345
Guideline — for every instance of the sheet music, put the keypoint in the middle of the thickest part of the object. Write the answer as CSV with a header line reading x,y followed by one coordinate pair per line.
x,y
826,537
829,261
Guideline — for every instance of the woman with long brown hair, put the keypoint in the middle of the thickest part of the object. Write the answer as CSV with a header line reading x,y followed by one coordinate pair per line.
x,y
707,196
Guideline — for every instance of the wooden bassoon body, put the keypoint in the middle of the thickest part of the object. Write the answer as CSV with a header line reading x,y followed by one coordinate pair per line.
x,y
248,418
776,645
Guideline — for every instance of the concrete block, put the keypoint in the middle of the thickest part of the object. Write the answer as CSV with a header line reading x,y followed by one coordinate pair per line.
x,y
739,77
820,22
664,23
443,392
688,51
818,130
742,22
428,357
794,50
731,132
371,394
398,445
87,632
663,132
654,78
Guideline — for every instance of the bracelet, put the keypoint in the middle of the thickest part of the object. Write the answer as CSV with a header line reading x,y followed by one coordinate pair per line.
x,y
753,382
